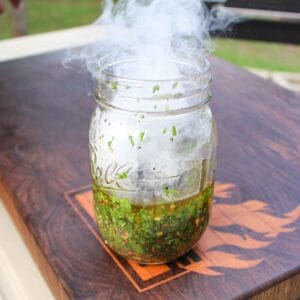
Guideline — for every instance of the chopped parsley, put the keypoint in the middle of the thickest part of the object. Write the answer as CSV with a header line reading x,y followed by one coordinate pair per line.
x,y
114,85
155,233
123,175
109,144
156,88
174,131
142,135
131,140
169,192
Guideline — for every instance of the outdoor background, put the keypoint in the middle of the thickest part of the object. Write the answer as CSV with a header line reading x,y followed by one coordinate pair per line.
x,y
50,15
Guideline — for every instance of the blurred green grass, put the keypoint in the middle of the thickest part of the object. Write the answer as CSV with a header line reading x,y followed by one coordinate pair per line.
x,y
50,15
260,55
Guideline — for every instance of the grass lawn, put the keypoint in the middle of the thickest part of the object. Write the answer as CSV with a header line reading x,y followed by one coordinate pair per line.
x,y
49,15
260,55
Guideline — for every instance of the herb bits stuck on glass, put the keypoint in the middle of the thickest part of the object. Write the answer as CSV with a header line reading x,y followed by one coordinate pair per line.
x,y
152,149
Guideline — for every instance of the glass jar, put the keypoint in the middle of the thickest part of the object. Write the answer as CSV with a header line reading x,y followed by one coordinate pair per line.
x,y
152,148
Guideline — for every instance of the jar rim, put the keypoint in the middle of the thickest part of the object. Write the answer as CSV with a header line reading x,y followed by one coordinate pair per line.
x,y
150,95
109,61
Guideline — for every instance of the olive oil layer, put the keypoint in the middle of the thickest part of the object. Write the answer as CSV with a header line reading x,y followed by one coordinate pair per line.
x,y
152,234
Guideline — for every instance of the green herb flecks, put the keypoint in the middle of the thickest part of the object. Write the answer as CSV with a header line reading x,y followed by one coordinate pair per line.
x,y
123,175
175,85
109,144
169,192
155,88
151,233
131,140
203,173
114,85
142,135
174,131
165,131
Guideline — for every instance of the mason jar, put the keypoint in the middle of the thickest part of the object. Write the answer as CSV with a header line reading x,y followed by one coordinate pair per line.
x,y
152,152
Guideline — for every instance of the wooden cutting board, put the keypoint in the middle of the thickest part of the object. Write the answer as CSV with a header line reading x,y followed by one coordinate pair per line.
x,y
252,245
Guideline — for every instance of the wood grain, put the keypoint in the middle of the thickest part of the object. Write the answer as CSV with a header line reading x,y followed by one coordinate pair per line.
x,y
44,119
54,283
211,256
287,289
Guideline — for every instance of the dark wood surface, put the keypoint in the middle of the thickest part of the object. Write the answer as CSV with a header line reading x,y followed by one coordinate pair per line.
x,y
44,119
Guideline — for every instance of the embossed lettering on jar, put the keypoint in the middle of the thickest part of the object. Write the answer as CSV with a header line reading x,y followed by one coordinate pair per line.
x,y
152,147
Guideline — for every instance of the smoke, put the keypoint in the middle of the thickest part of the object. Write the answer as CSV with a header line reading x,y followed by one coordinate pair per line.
x,y
154,33
159,42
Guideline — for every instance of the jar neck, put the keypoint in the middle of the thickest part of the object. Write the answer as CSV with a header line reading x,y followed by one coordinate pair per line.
x,y
190,91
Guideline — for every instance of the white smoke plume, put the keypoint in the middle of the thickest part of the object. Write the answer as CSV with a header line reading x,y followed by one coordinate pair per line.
x,y
154,32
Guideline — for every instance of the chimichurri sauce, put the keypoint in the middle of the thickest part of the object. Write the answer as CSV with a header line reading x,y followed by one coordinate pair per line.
x,y
152,234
